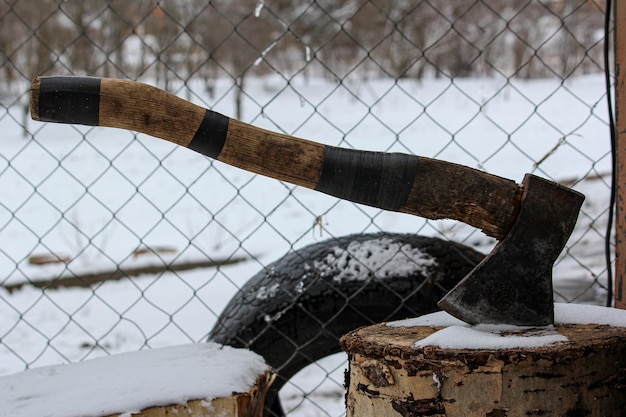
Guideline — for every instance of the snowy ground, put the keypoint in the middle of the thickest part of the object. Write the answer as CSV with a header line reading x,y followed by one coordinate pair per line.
x,y
96,195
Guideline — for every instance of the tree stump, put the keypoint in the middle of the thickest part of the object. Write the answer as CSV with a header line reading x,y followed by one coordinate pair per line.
x,y
201,379
391,375
241,404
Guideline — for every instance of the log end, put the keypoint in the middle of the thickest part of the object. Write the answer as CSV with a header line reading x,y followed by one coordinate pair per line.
x,y
34,98
391,373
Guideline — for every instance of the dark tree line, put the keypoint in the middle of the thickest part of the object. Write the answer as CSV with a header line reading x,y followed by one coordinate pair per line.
x,y
178,40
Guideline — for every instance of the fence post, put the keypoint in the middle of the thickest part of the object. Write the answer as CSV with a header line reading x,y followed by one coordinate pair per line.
x,y
620,118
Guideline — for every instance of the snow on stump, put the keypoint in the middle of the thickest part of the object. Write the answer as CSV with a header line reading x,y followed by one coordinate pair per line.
x,y
438,366
203,379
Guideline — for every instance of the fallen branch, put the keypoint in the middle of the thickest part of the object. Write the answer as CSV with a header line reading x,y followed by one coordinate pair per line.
x,y
86,280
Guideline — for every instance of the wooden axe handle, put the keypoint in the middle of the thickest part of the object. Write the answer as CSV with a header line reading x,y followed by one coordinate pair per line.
x,y
393,181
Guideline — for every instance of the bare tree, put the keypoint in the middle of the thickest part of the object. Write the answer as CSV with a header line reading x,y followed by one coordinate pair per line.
x,y
237,39
82,18
335,38
119,22
31,40
578,33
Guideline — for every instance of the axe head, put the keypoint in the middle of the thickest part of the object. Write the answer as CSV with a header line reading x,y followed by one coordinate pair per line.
x,y
513,284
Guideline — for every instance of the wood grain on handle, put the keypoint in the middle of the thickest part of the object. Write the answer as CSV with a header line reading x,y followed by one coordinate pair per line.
x,y
393,181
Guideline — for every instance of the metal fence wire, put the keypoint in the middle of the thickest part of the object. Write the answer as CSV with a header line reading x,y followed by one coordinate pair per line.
x,y
112,241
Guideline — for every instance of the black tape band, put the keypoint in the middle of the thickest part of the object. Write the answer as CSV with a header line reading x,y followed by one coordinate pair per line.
x,y
376,179
73,100
210,137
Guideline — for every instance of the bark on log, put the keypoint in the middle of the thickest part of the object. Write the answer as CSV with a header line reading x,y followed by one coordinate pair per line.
x,y
247,404
389,376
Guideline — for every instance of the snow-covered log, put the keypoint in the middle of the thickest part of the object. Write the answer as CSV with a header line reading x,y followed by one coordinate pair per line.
x,y
438,366
239,404
203,379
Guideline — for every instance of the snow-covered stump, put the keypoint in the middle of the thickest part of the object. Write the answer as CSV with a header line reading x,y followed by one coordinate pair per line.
x,y
438,366
203,379
240,404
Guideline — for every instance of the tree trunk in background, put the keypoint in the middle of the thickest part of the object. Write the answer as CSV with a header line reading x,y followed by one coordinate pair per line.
x,y
389,376
239,90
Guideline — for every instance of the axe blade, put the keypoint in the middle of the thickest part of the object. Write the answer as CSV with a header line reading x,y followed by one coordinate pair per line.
x,y
513,284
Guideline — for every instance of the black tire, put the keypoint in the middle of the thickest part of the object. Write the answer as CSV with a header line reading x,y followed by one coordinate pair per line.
x,y
294,311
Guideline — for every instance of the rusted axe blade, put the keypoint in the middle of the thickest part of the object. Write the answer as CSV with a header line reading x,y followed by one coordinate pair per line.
x,y
513,284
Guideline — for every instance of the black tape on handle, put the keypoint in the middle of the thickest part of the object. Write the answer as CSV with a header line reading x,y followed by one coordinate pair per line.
x,y
377,179
70,99
211,135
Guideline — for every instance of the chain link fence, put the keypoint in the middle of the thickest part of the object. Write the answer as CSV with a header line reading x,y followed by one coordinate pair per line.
x,y
111,241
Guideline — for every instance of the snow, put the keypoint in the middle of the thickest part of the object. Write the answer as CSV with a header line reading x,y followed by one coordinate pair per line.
x,y
130,382
258,61
258,8
381,257
588,314
504,337
264,292
459,335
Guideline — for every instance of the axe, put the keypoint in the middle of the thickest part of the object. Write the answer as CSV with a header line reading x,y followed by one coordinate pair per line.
x,y
512,285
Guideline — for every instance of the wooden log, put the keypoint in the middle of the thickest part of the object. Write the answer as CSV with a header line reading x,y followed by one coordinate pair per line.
x,y
390,375
246,404
201,379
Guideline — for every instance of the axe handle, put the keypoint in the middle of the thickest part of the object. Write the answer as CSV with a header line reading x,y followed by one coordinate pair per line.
x,y
393,181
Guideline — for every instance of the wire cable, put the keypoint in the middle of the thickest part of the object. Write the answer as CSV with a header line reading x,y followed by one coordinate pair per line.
x,y
612,130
